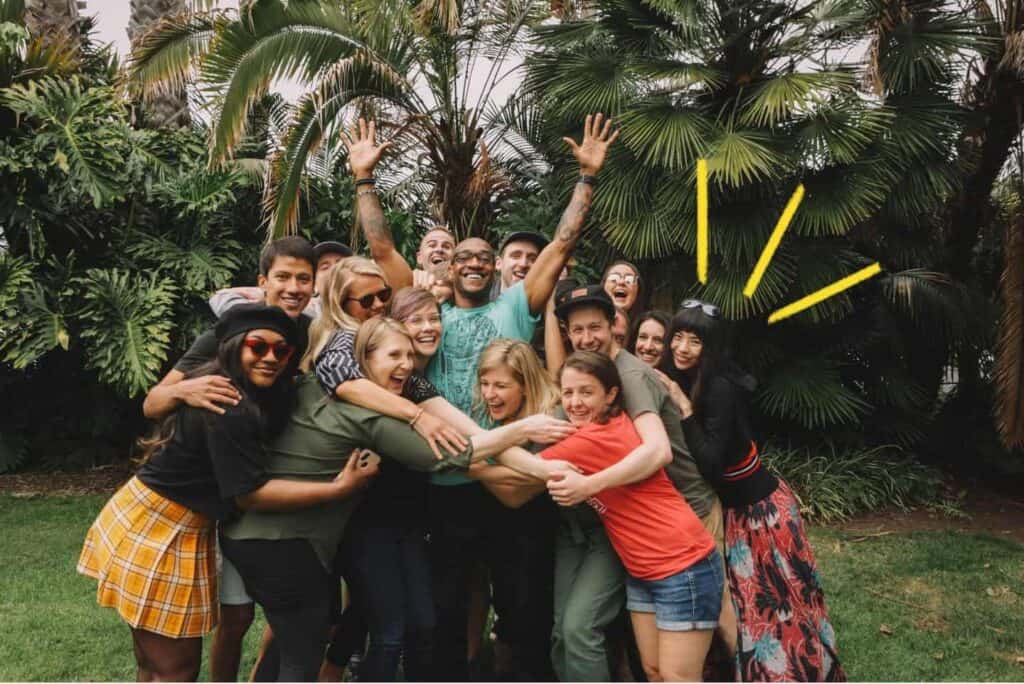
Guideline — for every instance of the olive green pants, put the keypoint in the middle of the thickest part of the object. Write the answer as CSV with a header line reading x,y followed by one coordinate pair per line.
x,y
590,592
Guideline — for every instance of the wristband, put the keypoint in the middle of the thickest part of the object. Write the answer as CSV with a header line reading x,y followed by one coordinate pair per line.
x,y
365,181
412,423
366,191
588,180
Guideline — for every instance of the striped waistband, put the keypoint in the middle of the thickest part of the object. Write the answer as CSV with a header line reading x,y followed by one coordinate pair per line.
x,y
745,468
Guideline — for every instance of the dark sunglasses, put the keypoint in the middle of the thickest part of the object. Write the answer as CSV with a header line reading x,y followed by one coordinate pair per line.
x,y
709,309
366,301
282,351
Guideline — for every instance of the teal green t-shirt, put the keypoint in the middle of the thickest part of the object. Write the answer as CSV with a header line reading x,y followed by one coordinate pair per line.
x,y
466,333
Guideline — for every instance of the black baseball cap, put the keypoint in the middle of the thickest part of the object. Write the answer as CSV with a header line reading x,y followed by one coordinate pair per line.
x,y
592,295
523,236
331,247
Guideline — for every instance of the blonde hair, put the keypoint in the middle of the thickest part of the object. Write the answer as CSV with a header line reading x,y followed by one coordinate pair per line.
x,y
333,316
370,335
540,395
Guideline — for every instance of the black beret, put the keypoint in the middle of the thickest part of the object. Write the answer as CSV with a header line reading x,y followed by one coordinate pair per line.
x,y
245,317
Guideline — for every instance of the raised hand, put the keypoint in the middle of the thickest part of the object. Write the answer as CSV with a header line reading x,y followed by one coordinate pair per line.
x,y
363,151
597,136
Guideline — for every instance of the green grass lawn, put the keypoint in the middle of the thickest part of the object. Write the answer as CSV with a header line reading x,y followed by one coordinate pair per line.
x,y
916,606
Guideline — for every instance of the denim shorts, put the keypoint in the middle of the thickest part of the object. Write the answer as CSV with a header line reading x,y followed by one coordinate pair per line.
x,y
688,600
231,587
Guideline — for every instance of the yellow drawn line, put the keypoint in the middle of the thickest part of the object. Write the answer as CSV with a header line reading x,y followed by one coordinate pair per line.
x,y
825,292
773,241
702,221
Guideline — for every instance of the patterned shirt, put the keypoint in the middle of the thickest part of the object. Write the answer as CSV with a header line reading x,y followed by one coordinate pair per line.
x,y
466,332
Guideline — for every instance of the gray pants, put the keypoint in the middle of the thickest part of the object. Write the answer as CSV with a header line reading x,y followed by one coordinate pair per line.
x,y
589,594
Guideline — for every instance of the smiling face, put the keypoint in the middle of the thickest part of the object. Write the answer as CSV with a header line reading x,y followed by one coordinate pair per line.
x,y
589,330
262,370
364,286
424,326
650,341
622,284
686,349
584,398
472,271
390,363
288,284
436,248
515,261
502,393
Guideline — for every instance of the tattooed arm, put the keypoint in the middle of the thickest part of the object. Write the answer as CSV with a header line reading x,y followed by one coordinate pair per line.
x,y
541,279
363,155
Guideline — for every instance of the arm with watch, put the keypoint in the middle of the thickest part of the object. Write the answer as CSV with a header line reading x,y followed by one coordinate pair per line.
x,y
363,155
590,153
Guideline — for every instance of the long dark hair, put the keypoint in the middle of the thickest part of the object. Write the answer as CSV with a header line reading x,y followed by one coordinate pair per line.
x,y
271,405
714,358
601,367
653,315
639,302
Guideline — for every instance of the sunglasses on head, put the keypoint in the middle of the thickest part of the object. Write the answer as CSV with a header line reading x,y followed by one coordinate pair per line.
x,y
366,301
282,351
709,309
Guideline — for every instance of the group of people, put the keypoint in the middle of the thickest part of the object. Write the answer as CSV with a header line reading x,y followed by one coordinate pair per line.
x,y
480,431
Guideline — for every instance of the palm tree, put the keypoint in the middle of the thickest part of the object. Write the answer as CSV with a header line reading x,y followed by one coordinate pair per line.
x,y
168,108
773,94
414,66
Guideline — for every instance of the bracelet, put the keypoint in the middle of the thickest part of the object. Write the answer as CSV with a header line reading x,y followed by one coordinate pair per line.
x,y
366,191
412,423
588,180
365,181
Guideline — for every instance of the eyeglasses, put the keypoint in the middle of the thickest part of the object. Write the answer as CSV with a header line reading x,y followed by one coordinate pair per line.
x,y
465,256
366,301
282,351
709,309
616,278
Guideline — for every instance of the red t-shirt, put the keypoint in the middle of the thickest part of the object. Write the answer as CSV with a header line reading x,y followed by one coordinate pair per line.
x,y
649,523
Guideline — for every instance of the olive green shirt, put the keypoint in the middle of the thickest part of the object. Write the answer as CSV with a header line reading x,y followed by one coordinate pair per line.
x,y
643,392
315,446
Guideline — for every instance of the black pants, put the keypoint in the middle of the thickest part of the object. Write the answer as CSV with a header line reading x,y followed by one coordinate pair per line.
x,y
390,574
291,585
468,525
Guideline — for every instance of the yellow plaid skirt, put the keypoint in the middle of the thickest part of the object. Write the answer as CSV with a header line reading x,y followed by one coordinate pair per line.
x,y
155,561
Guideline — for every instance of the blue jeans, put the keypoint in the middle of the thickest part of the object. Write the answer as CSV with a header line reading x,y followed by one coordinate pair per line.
x,y
390,574
689,600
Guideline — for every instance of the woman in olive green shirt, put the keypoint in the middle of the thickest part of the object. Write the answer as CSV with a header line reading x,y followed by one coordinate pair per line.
x,y
284,557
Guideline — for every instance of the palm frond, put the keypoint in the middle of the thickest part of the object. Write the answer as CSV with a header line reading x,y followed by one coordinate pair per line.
x,y
168,55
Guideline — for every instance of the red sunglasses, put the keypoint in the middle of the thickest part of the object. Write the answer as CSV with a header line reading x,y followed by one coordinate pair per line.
x,y
282,351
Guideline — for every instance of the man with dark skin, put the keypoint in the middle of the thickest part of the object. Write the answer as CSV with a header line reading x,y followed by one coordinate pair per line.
x,y
471,321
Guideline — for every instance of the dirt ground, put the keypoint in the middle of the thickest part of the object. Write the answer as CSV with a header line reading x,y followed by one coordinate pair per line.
x,y
982,511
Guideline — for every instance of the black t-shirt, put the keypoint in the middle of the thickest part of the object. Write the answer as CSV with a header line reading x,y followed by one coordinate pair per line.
x,y
209,460
204,348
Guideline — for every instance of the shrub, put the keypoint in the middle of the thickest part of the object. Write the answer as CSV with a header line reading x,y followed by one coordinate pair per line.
x,y
833,486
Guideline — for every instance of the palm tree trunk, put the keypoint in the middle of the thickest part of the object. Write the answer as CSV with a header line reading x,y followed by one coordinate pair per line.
x,y
53,21
1009,373
164,108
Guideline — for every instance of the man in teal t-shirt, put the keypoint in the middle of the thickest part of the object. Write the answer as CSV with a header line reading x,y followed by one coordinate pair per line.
x,y
462,514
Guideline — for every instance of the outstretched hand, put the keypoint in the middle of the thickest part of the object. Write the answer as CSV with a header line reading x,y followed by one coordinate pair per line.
x,y
363,152
596,138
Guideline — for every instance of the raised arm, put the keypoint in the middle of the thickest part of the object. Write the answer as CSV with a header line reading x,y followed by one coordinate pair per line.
x,y
363,155
540,281
554,348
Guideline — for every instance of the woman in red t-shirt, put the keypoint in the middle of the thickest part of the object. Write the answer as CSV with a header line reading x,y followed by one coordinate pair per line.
x,y
674,588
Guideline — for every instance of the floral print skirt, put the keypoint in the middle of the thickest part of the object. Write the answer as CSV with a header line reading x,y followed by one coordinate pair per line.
x,y
784,630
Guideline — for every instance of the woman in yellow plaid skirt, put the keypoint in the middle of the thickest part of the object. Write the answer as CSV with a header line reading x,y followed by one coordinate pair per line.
x,y
152,547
